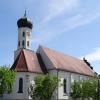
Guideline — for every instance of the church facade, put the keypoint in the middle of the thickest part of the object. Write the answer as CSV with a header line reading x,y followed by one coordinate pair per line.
x,y
28,64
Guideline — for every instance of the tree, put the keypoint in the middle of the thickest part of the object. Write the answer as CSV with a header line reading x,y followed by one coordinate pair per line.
x,y
7,77
86,89
76,90
44,88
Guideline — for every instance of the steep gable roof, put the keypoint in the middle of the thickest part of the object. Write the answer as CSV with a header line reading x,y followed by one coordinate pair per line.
x,y
64,62
26,61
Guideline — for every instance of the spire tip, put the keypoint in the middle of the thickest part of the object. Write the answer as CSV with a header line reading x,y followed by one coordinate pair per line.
x,y
25,14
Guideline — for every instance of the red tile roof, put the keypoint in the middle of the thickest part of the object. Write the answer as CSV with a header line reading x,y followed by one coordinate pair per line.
x,y
27,61
67,63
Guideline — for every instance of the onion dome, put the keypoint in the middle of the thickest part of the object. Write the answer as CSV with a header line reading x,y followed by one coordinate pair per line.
x,y
24,22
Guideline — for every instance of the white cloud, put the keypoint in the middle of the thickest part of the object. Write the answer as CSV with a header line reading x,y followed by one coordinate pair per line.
x,y
57,7
48,31
79,20
93,56
65,26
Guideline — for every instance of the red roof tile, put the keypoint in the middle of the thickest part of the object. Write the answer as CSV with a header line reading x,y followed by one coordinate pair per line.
x,y
27,61
67,63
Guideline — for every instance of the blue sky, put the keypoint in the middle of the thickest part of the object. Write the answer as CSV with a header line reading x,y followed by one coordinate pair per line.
x,y
68,26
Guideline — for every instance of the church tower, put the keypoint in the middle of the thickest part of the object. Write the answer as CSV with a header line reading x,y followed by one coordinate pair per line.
x,y
24,34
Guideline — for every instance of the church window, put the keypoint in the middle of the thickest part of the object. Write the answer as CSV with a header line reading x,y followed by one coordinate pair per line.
x,y
65,86
23,43
18,43
28,43
20,85
23,34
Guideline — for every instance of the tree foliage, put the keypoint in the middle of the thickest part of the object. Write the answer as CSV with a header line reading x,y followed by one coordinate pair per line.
x,y
86,89
6,80
76,88
44,88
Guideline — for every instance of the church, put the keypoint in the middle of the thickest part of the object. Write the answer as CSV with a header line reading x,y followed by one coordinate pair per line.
x,y
27,64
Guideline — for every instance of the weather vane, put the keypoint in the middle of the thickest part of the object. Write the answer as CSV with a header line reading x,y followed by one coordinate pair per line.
x,y
25,14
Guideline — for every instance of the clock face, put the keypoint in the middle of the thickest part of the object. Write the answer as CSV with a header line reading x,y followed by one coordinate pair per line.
x,y
28,33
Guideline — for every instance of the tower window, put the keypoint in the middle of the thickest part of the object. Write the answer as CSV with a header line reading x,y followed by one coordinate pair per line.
x,y
18,43
28,43
20,90
65,86
23,43
23,34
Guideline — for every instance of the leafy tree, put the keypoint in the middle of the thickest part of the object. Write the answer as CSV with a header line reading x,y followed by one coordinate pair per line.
x,y
89,89
76,90
86,89
7,77
44,88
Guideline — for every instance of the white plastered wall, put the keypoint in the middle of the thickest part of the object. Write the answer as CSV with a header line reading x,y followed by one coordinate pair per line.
x,y
26,38
70,77
27,78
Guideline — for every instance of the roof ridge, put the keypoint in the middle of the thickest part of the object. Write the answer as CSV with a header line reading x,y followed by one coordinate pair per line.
x,y
59,52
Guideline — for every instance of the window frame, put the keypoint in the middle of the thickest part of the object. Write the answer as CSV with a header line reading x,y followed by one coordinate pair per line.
x,y
23,43
19,43
23,34
20,87
28,44
65,86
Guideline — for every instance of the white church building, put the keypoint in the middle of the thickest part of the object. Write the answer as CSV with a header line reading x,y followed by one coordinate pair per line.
x,y
27,64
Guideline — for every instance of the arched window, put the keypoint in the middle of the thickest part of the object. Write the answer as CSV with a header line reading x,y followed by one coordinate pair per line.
x,y
28,43
65,86
23,34
23,43
20,90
